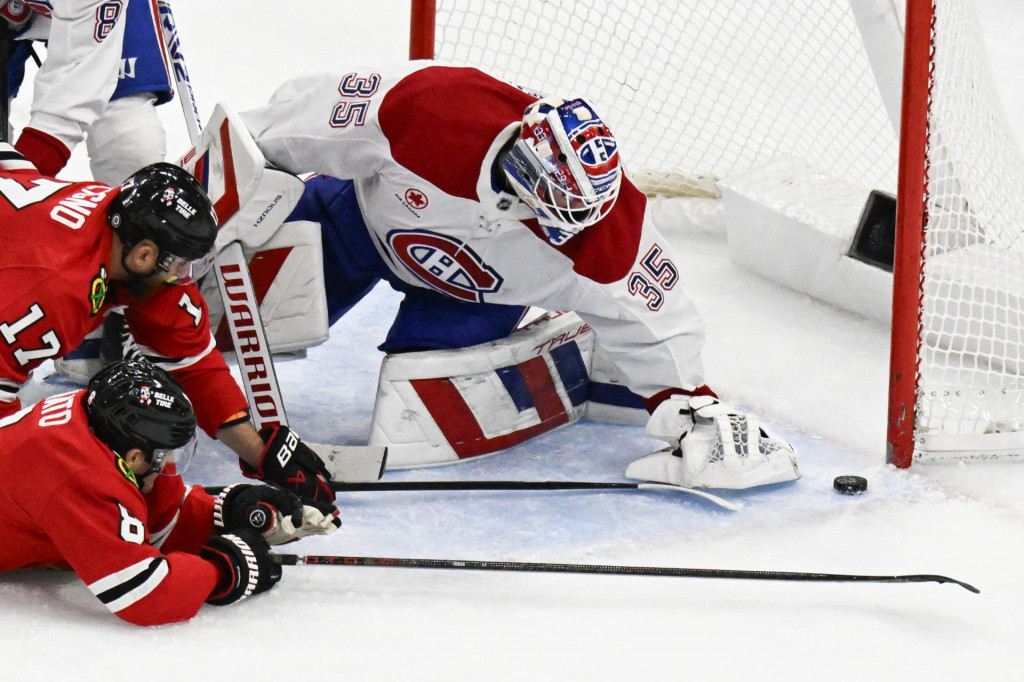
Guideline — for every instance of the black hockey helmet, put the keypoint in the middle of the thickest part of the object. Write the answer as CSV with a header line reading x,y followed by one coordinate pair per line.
x,y
135,404
166,204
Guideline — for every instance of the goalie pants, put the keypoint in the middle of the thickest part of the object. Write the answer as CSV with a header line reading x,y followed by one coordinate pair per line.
x,y
426,319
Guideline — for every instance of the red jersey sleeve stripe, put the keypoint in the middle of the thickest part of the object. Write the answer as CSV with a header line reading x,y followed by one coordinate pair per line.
x,y
12,160
170,364
120,590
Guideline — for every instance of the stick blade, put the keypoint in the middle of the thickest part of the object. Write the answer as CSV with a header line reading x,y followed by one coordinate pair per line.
x,y
353,463
720,501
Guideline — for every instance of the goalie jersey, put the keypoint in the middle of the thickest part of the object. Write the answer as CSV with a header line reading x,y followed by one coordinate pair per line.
x,y
420,142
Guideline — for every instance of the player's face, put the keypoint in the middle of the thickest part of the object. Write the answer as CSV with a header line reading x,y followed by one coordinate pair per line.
x,y
170,462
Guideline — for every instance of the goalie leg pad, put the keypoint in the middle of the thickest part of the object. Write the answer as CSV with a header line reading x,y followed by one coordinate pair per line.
x,y
446,406
251,200
288,280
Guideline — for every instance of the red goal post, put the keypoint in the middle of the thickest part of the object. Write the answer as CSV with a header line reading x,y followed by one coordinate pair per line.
x,y
909,248
701,92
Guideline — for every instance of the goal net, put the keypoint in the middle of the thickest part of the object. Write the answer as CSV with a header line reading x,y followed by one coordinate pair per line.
x,y
701,90
960,297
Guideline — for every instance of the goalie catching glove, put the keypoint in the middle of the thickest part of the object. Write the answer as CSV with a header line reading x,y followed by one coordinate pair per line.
x,y
279,515
713,446
289,463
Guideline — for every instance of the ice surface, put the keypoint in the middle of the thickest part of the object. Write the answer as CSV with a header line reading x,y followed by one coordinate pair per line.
x,y
817,373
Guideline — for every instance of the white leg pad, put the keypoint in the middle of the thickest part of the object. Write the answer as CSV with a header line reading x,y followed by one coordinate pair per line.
x,y
251,200
443,407
288,276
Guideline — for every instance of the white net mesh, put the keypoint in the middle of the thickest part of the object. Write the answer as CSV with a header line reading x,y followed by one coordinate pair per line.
x,y
698,87
972,351
711,88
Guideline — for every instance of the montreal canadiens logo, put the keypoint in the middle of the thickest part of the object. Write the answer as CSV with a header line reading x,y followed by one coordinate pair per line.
x,y
445,264
597,151
416,198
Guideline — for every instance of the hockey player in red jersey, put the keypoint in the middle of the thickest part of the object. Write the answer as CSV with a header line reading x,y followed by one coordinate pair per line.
x,y
478,199
73,252
87,481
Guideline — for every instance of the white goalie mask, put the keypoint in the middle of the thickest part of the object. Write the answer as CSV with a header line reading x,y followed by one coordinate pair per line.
x,y
564,165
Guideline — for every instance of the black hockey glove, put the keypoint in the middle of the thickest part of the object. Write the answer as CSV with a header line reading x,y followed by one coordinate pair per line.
x,y
245,565
289,463
256,507
279,515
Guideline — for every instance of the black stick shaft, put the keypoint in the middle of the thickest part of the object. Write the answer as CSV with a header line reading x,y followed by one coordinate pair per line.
x,y
5,58
393,486
532,567
338,486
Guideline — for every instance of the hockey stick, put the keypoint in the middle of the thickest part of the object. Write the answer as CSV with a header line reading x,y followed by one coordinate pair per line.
x,y
527,485
183,84
254,360
531,567
432,486
5,57
242,311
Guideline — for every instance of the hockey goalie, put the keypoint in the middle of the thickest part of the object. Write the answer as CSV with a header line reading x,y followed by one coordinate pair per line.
x,y
480,202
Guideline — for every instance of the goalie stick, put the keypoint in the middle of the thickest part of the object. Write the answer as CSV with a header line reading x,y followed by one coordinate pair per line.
x,y
435,486
255,363
598,569
529,485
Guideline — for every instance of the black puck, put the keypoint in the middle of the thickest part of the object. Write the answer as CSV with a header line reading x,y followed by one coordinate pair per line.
x,y
850,485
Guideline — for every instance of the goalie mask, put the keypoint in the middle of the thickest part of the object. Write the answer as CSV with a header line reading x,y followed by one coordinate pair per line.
x,y
564,165
135,404
166,205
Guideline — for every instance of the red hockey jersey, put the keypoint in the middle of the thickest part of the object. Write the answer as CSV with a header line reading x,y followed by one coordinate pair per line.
x,y
66,500
54,275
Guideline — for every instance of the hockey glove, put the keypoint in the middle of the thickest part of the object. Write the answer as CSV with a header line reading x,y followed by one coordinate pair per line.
x,y
289,463
713,446
279,515
245,565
